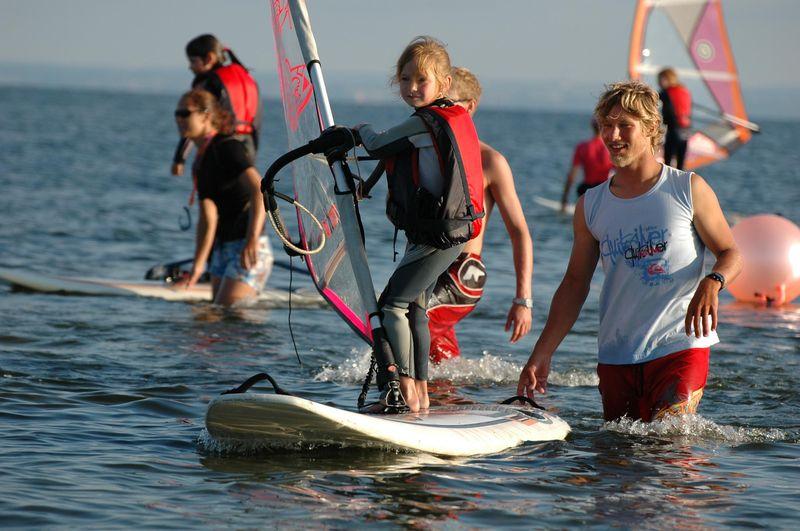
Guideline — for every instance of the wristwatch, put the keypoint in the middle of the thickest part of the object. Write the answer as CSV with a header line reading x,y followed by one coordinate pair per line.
x,y
528,303
718,277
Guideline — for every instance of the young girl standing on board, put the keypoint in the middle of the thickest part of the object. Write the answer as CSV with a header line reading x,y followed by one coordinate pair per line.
x,y
433,166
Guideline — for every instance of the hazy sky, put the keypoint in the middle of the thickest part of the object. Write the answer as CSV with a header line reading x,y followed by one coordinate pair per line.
x,y
581,40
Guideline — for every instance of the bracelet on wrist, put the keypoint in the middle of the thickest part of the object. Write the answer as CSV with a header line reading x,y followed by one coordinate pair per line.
x,y
523,301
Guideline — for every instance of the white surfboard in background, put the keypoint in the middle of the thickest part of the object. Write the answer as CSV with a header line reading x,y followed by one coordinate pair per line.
x,y
44,283
554,205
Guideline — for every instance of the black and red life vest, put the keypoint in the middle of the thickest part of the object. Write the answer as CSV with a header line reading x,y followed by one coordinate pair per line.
x,y
242,93
681,100
457,216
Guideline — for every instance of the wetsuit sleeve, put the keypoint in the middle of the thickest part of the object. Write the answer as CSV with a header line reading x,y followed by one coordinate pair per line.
x,y
392,141
182,151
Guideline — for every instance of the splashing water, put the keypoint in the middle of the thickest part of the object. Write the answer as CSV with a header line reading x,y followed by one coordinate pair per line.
x,y
351,371
489,369
695,428
574,378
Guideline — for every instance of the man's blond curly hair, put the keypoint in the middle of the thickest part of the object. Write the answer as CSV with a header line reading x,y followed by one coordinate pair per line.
x,y
637,99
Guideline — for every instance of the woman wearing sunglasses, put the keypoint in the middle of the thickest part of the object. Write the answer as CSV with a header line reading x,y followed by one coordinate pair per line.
x,y
231,212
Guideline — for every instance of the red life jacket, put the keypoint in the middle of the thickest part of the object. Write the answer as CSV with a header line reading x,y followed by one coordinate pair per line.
x,y
681,100
457,216
242,94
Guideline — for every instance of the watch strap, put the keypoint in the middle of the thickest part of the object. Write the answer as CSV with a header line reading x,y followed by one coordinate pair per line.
x,y
718,277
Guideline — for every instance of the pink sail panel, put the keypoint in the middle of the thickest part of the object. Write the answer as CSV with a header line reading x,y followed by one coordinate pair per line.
x,y
711,51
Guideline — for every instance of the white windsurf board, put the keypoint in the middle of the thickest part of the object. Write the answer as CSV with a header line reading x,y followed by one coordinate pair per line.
x,y
463,430
40,282
554,205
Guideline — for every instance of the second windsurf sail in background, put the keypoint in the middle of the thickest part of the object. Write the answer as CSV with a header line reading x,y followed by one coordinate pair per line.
x,y
690,37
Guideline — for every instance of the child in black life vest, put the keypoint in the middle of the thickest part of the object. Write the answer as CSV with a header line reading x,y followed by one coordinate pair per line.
x,y
433,166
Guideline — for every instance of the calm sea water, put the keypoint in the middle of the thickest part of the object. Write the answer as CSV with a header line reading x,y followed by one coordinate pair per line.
x,y
102,399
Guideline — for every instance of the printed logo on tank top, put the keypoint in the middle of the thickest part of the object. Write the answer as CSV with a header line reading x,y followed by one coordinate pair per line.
x,y
641,248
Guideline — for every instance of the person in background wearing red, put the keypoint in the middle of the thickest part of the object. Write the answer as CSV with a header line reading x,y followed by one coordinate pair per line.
x,y
676,112
232,85
592,156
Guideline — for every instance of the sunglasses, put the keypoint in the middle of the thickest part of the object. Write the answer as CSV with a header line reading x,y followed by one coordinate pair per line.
x,y
185,113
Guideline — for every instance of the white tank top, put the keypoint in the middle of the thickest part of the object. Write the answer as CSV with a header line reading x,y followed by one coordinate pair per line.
x,y
652,258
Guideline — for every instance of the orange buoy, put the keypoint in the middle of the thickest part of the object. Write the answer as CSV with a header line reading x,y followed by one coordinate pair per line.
x,y
770,246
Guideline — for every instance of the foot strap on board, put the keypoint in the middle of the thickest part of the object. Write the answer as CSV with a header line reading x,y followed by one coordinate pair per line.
x,y
260,377
522,400
391,401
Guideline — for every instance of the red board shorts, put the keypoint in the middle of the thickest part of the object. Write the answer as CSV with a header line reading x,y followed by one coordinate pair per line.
x,y
455,295
670,385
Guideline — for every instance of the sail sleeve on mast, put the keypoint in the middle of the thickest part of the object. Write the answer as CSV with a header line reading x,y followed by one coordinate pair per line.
x,y
339,270
690,36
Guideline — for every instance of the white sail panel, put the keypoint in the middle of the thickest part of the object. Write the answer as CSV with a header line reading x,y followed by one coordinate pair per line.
x,y
339,270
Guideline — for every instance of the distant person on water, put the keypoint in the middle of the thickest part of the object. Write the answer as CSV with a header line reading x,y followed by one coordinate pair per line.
x,y
460,288
592,156
232,85
676,110
432,161
231,209
649,225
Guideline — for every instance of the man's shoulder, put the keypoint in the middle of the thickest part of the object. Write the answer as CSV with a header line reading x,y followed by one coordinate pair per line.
x,y
495,166
491,158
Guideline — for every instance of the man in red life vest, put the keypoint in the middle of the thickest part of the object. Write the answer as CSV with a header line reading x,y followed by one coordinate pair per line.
x,y
593,157
676,112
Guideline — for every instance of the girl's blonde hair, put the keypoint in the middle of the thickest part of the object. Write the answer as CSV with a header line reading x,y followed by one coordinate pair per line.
x,y
430,54
637,99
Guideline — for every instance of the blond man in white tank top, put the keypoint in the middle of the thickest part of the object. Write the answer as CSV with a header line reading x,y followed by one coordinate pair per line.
x,y
649,225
